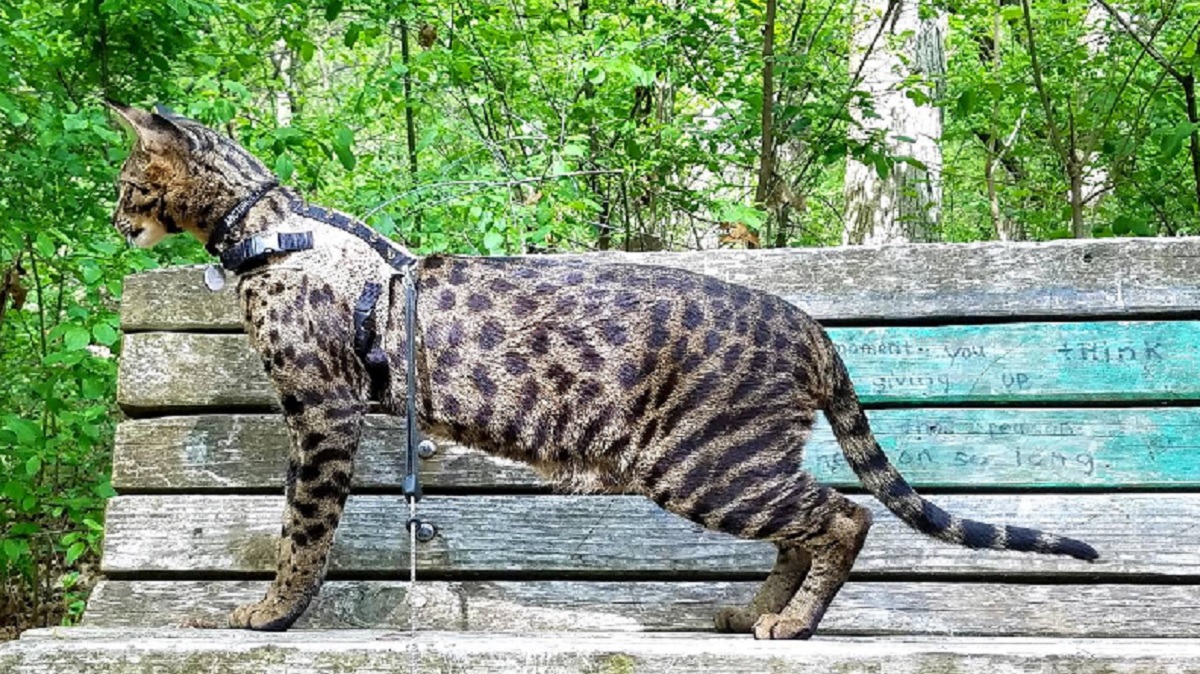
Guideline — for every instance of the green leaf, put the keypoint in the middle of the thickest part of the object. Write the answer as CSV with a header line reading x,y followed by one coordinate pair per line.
x,y
33,465
27,432
105,490
632,148
352,34
343,139
75,551
1122,225
93,387
1011,13
76,337
494,242
284,167
966,103
180,8
91,272
332,9
105,334
1172,143
14,549
741,213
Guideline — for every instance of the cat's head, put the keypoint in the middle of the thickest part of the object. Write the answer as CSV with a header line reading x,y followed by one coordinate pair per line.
x,y
180,176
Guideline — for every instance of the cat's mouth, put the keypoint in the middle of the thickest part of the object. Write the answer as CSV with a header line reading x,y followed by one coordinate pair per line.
x,y
139,235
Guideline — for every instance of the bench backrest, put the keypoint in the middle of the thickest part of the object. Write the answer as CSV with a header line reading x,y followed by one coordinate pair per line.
x,y
1050,385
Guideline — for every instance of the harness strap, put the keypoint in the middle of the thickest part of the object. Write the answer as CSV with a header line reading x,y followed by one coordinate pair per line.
x,y
412,482
390,254
366,340
254,250
250,253
235,216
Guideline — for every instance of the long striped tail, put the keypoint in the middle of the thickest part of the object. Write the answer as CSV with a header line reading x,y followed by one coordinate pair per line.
x,y
881,478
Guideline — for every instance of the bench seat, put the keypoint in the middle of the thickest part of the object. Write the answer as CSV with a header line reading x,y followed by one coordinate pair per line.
x,y
113,651
1052,385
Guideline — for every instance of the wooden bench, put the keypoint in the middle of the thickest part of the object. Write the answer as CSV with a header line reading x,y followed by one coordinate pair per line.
x,y
1050,385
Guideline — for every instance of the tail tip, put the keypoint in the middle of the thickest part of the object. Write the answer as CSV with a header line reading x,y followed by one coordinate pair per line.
x,y
1077,549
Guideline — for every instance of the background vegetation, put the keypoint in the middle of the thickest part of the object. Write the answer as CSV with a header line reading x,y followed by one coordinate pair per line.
x,y
503,126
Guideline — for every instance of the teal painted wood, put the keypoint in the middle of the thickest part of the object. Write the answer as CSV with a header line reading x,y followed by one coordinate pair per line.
x,y
1027,448
1109,362
946,448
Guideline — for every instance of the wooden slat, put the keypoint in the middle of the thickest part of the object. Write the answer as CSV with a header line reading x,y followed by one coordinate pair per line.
x,y
953,448
180,371
610,536
1115,361
993,363
105,651
862,608
1139,277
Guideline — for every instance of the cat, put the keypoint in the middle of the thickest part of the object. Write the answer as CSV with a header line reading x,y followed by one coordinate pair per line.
x,y
606,378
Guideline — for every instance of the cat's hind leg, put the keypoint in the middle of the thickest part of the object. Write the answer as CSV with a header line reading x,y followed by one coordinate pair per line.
x,y
791,566
833,532
818,532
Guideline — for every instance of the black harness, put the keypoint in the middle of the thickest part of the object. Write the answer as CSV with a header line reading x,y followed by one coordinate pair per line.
x,y
253,252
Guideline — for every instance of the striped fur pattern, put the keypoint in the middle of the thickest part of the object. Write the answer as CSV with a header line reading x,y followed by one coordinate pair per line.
x,y
607,378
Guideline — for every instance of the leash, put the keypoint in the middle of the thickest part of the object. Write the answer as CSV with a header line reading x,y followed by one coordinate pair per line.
x,y
251,252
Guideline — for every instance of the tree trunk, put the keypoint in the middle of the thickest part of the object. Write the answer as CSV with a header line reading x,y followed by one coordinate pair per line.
x,y
903,206
766,170
1189,94
1079,228
281,57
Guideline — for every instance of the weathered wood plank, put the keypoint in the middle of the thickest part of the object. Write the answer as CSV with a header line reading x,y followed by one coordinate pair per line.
x,y
168,372
101,651
250,451
862,283
862,608
1005,447
1125,361
611,536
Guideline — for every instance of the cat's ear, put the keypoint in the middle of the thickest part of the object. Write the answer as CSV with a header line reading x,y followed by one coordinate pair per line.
x,y
153,129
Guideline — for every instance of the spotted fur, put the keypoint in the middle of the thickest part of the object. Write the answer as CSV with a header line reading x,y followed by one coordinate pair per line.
x,y
606,378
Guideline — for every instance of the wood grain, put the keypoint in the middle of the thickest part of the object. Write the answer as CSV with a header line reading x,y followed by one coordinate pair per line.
x,y
861,608
604,537
187,651
1094,362
1111,277
945,448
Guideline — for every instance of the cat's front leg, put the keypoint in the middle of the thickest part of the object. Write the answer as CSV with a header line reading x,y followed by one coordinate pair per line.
x,y
322,388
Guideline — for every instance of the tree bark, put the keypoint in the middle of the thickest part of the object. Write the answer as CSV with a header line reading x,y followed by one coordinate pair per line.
x,y
409,124
766,167
1007,229
281,58
904,205
1189,93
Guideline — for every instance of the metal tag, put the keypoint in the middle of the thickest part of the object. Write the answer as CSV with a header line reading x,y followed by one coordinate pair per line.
x,y
214,277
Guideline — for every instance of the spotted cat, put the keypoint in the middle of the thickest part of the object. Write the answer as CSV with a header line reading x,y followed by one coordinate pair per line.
x,y
606,378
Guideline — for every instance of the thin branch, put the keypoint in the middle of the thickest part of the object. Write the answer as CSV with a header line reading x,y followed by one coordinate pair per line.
x,y
855,80
1041,86
1146,46
486,183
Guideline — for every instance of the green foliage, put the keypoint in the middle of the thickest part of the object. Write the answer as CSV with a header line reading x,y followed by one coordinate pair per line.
x,y
536,126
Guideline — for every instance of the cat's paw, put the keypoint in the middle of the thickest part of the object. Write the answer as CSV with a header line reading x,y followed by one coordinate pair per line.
x,y
268,615
735,620
776,626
